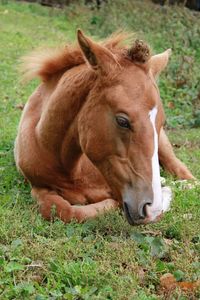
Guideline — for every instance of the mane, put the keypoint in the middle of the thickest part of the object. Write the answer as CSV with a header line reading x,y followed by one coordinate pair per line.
x,y
49,62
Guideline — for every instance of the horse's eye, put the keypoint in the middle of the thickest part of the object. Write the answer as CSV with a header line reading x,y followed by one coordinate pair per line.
x,y
123,122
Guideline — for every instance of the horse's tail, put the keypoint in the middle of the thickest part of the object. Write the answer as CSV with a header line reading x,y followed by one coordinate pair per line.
x,y
48,62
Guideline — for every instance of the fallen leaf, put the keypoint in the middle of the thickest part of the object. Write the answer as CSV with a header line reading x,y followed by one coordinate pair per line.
x,y
189,285
19,106
168,282
170,104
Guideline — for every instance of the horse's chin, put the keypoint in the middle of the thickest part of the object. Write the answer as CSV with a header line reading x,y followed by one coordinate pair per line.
x,y
154,215
167,198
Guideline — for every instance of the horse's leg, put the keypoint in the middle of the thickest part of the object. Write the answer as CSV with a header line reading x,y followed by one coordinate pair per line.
x,y
169,160
51,205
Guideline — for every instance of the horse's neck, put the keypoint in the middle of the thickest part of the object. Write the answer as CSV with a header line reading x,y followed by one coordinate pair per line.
x,y
59,117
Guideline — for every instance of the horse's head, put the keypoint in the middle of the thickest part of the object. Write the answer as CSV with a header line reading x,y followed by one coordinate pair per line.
x,y
120,122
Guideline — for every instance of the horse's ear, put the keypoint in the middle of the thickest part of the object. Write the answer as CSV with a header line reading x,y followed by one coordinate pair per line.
x,y
158,62
99,57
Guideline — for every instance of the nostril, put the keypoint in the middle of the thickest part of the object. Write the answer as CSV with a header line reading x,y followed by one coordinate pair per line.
x,y
143,209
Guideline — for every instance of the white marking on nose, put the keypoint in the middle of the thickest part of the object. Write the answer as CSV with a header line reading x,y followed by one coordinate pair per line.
x,y
157,205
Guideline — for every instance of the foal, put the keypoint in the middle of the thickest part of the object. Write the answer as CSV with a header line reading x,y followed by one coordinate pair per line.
x,y
91,135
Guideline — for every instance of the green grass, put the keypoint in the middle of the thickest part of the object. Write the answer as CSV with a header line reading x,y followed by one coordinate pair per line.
x,y
103,258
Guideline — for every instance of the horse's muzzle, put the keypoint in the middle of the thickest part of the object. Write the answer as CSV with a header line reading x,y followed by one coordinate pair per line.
x,y
136,216
147,211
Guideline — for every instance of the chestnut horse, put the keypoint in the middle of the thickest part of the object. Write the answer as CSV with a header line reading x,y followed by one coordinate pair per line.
x,y
91,135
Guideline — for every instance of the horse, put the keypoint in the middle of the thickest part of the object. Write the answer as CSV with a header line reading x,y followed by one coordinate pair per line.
x,y
91,135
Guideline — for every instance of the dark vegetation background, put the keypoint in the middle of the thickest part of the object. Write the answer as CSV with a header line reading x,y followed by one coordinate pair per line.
x,y
193,4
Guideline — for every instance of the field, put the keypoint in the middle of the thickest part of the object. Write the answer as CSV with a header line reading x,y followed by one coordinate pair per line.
x,y
104,258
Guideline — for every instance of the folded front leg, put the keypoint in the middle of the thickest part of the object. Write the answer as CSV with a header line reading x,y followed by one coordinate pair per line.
x,y
51,205
169,160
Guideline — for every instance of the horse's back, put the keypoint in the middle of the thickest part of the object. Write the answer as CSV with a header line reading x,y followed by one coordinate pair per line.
x,y
29,155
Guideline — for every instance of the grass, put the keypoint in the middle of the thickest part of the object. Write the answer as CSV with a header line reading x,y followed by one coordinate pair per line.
x,y
103,258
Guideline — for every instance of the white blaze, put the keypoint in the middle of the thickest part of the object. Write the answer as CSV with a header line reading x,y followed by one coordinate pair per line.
x,y
161,196
157,206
